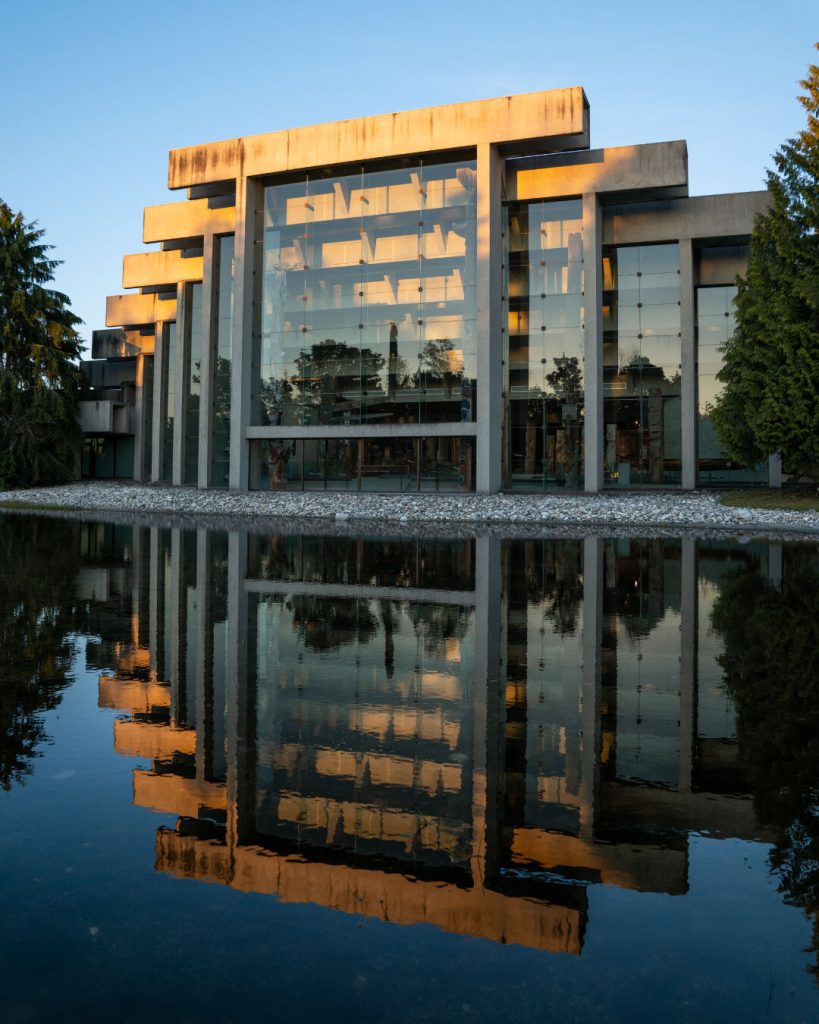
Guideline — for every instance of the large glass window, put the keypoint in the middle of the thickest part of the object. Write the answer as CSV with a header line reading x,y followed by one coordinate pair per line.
x,y
169,400
363,464
368,298
716,323
220,440
641,365
544,344
194,343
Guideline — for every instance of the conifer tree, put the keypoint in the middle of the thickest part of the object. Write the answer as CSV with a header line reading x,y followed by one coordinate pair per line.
x,y
770,402
39,347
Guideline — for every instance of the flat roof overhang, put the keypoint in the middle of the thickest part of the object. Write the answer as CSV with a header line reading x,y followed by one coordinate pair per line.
x,y
551,120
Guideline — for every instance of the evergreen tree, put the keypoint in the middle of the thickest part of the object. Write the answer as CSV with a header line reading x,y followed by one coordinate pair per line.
x,y
39,375
770,402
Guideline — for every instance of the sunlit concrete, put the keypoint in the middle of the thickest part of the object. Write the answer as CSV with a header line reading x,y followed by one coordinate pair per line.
x,y
559,116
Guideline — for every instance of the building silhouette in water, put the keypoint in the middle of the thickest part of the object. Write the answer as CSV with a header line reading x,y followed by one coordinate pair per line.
x,y
459,730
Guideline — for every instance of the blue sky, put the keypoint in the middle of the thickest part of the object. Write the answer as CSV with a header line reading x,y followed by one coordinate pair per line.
x,y
94,93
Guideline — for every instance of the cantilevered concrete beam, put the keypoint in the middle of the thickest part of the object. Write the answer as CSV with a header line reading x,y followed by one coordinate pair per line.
x,y
717,218
192,219
561,115
657,168
133,310
144,269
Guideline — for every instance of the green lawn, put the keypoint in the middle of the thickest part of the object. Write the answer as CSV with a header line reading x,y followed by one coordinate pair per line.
x,y
800,501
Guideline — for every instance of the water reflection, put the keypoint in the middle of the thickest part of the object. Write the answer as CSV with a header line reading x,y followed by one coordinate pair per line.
x,y
469,732
466,732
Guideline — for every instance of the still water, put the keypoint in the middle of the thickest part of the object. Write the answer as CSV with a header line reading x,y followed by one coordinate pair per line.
x,y
258,775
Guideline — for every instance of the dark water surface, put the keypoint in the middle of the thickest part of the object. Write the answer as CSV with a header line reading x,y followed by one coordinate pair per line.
x,y
257,776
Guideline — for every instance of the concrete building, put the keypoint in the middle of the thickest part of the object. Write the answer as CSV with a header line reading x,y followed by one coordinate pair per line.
x,y
463,297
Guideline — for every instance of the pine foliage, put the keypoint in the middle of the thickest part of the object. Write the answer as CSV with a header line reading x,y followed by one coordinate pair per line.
x,y
770,402
40,378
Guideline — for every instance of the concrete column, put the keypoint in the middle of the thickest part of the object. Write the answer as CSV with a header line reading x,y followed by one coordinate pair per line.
x,y
688,366
489,281
204,661
593,341
210,277
137,535
180,395
688,663
160,372
139,420
177,618
241,699
775,471
592,683
246,270
775,566
154,624
487,702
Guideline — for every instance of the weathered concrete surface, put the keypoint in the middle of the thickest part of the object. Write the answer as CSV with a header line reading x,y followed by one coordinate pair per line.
x,y
718,217
133,310
658,166
144,269
192,218
560,114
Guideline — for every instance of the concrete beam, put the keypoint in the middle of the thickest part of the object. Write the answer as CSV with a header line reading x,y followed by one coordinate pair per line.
x,y
656,167
560,114
368,430
135,310
717,217
191,219
144,269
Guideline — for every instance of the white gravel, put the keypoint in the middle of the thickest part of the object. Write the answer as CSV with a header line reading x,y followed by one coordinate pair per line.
x,y
699,509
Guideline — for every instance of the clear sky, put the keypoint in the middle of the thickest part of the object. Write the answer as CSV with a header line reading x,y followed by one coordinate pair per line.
x,y
93,93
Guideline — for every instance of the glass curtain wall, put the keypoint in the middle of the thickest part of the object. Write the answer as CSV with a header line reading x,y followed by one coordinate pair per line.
x,y
363,464
368,298
220,441
716,322
641,365
169,400
543,291
193,342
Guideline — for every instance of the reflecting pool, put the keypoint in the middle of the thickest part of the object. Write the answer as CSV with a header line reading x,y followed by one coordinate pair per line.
x,y
267,773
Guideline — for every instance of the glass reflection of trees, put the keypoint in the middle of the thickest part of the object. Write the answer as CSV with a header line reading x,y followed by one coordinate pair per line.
x,y
38,606
771,666
392,562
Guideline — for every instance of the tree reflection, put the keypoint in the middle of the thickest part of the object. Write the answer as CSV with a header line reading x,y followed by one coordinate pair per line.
x,y
771,665
37,612
327,625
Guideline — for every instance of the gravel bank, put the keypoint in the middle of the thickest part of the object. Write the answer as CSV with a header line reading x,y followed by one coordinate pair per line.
x,y
700,510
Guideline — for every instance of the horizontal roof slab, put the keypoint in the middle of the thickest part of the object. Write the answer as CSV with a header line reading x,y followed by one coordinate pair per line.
x,y
655,167
559,114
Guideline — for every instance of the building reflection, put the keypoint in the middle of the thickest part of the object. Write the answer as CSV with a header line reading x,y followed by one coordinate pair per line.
x,y
464,732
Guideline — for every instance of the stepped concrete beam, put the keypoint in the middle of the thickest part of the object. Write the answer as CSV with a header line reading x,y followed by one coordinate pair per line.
x,y
154,740
132,694
194,218
557,119
147,269
172,794
657,169
134,310
720,218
